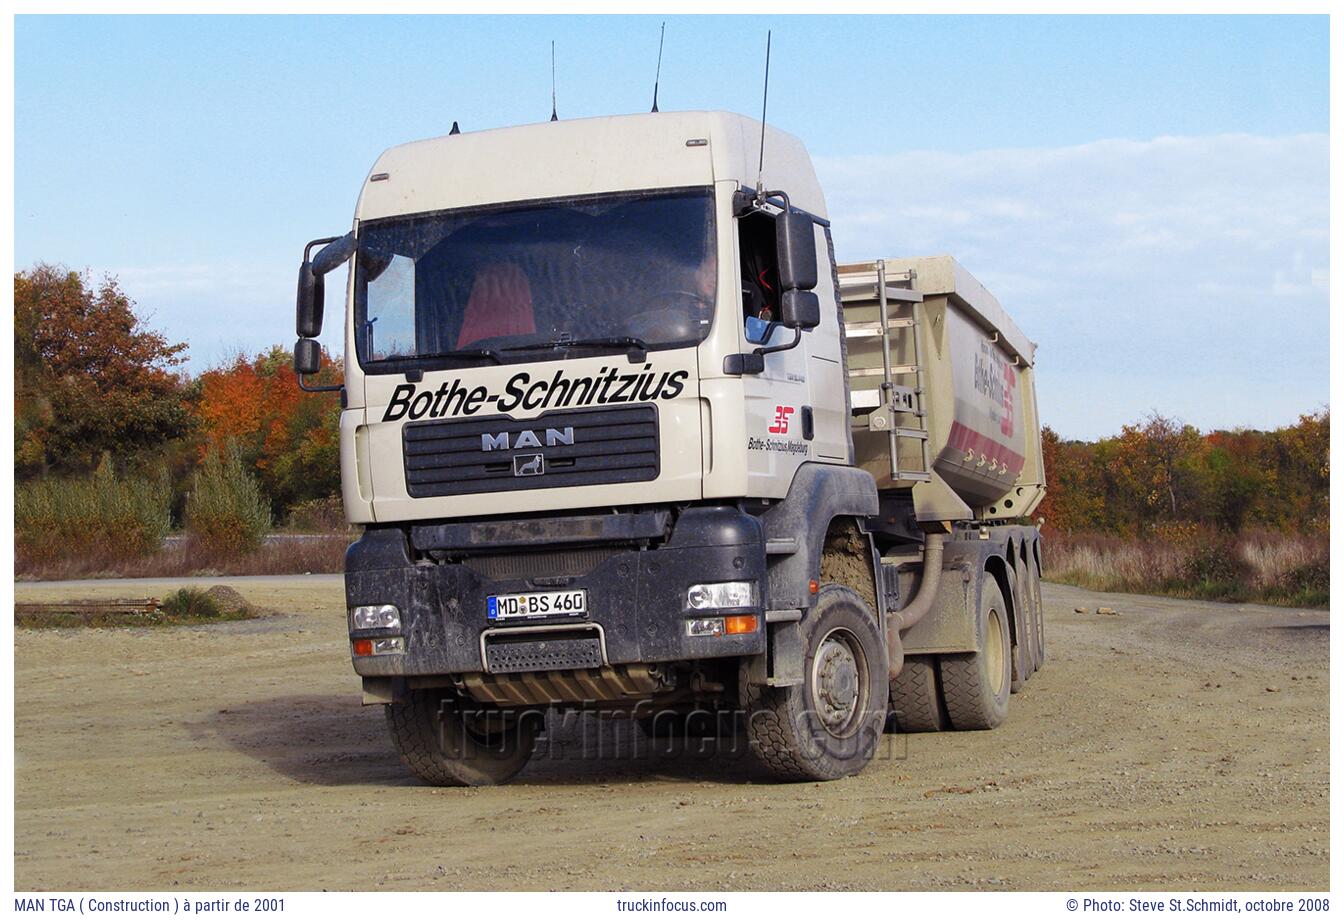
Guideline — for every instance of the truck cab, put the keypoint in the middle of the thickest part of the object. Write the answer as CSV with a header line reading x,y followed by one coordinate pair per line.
x,y
523,272
597,427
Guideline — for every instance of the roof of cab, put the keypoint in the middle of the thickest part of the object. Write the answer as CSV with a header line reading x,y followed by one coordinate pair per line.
x,y
585,156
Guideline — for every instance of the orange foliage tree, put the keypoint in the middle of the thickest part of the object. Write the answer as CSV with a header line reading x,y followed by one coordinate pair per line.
x,y
1163,472
90,377
287,437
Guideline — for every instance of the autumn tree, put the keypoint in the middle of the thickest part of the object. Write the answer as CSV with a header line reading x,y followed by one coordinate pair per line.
x,y
90,376
288,438
1075,493
1237,480
1161,471
1303,455
1151,464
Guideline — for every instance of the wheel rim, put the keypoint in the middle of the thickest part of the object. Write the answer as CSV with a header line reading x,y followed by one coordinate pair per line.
x,y
994,654
839,682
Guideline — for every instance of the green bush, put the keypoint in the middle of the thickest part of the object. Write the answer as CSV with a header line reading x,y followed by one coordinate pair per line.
x,y
226,513
1306,585
101,516
191,604
1215,561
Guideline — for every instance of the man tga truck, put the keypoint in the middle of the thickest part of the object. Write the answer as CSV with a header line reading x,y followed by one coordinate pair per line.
x,y
623,435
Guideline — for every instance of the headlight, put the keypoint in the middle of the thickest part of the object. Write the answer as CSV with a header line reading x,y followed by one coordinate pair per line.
x,y
721,595
382,616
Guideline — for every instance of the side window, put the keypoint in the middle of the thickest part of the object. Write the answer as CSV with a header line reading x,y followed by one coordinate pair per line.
x,y
760,274
389,328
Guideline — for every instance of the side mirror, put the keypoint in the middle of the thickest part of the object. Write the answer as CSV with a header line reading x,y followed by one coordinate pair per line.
x,y
796,243
799,309
307,356
308,305
308,308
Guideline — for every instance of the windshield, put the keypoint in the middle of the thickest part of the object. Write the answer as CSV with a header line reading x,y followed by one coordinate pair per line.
x,y
512,283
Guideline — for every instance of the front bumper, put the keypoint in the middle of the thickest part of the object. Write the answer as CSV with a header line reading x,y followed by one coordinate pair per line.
x,y
636,598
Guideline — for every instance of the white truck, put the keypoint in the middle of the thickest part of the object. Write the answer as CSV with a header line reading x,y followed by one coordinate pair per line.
x,y
623,436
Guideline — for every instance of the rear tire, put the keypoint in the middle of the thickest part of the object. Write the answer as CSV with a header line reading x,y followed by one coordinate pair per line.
x,y
976,686
914,696
448,741
1037,614
1034,567
1025,606
828,726
1022,641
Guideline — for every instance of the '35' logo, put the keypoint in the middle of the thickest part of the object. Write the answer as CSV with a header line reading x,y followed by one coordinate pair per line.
x,y
781,425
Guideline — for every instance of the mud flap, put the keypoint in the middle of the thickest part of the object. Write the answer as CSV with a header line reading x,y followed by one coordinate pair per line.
x,y
782,663
383,690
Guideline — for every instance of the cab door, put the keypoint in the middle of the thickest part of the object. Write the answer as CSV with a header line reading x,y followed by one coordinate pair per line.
x,y
780,415
827,386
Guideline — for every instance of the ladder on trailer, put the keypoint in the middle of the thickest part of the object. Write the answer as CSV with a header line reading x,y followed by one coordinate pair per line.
x,y
887,397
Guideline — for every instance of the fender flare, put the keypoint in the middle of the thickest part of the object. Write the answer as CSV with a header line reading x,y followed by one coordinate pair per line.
x,y
819,493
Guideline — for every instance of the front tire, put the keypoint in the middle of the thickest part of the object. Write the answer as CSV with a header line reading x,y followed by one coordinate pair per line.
x,y
828,726
448,741
976,686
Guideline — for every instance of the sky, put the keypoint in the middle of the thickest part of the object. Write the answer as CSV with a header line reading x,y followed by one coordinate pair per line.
x,y
1147,196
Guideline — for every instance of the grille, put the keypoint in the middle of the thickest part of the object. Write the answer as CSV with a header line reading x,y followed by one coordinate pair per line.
x,y
609,445
512,657
539,565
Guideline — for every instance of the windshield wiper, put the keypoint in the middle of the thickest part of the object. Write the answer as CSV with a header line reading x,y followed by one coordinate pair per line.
x,y
490,353
614,341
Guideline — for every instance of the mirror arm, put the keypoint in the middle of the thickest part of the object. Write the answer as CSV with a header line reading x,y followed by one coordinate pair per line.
x,y
308,250
771,349
320,388
745,201
753,362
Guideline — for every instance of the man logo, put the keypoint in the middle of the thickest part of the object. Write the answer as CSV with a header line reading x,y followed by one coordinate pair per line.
x,y
555,437
529,465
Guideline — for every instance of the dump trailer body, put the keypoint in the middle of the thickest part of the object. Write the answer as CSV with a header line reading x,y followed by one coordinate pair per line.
x,y
963,433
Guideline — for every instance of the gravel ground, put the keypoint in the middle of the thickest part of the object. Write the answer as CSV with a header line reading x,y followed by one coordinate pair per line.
x,y
1176,745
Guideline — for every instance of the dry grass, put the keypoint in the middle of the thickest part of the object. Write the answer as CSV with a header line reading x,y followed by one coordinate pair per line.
x,y
325,553
103,514
318,515
1262,566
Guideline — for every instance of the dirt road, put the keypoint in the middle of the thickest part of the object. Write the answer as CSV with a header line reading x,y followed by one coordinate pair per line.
x,y
1178,745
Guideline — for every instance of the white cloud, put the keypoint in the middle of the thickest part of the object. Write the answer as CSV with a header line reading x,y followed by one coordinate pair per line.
x,y
1191,270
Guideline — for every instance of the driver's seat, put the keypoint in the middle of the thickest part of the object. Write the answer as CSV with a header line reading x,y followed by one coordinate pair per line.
x,y
500,304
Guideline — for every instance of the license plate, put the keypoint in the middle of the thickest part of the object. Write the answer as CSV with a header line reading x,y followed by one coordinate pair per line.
x,y
536,604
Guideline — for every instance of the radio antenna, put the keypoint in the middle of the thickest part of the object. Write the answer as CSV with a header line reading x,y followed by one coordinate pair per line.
x,y
659,72
765,97
554,117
